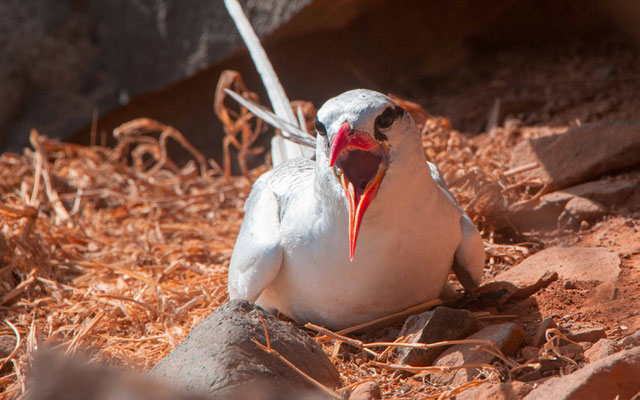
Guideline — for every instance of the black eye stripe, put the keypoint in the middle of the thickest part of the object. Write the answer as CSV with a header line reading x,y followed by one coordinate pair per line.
x,y
389,116
385,120
320,128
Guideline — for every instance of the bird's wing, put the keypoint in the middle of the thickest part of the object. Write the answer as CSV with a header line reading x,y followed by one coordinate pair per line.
x,y
257,255
468,261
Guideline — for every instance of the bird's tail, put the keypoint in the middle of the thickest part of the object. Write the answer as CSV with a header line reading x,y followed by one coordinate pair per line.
x,y
284,118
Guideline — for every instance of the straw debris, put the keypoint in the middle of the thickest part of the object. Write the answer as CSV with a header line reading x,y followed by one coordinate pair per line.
x,y
123,251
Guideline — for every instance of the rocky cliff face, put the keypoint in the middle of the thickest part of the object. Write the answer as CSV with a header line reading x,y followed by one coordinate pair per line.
x,y
61,60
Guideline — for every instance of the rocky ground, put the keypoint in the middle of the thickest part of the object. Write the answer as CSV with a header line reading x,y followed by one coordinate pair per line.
x,y
122,253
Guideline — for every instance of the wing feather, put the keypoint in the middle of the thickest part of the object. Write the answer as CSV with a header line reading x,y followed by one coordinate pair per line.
x,y
468,263
257,255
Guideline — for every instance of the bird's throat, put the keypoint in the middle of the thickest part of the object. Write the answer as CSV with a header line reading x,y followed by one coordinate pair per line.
x,y
360,163
359,197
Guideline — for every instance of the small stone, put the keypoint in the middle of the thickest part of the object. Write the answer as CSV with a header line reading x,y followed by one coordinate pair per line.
x,y
588,335
92,246
584,225
569,284
615,376
585,209
442,323
631,340
366,391
607,191
540,337
529,352
7,344
601,349
497,391
507,336
220,358
572,350
499,291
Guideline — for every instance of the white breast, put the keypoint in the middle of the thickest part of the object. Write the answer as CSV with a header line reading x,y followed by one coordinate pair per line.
x,y
403,257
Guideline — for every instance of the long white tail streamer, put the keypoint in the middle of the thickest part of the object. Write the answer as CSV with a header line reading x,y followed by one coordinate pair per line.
x,y
281,150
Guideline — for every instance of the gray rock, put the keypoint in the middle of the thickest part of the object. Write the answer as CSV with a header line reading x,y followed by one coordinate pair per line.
x,y
616,375
590,335
496,391
366,391
608,191
578,210
7,344
631,340
540,337
507,336
219,357
55,376
601,349
580,154
60,60
575,263
501,291
438,325
584,202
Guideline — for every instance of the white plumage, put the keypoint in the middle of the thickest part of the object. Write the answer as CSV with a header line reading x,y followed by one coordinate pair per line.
x,y
293,250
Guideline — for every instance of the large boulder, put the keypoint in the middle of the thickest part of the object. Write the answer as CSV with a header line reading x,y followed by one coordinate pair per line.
x,y
61,60
580,154
612,377
220,357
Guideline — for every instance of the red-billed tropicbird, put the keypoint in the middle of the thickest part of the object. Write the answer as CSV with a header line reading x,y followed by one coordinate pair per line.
x,y
366,230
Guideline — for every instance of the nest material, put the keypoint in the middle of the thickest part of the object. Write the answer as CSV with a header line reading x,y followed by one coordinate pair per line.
x,y
123,252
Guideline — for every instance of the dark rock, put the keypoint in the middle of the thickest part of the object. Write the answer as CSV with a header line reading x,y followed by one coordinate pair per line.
x,y
584,225
366,391
63,59
580,209
496,391
529,353
607,191
580,154
219,357
573,351
582,203
575,263
540,337
507,336
7,344
591,335
503,291
569,284
57,377
438,325
601,349
612,376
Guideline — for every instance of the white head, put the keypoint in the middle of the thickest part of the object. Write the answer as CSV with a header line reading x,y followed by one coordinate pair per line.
x,y
361,136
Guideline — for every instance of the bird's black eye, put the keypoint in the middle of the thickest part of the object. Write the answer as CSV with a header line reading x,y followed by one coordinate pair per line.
x,y
320,128
385,120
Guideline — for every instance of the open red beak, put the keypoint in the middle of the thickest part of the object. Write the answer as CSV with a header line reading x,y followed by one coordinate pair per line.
x,y
360,163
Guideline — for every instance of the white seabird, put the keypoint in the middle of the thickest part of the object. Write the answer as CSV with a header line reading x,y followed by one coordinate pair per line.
x,y
366,230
